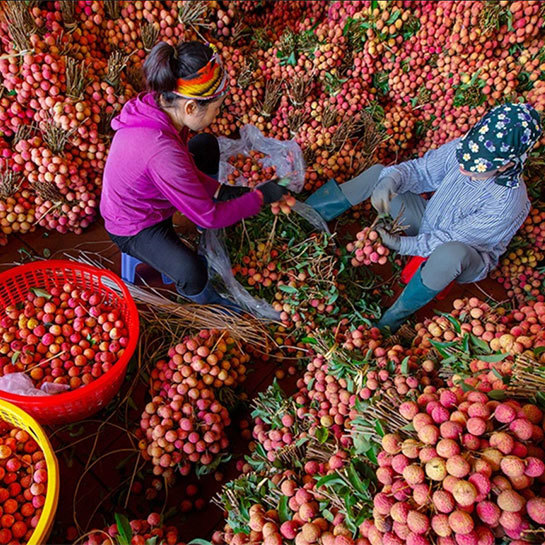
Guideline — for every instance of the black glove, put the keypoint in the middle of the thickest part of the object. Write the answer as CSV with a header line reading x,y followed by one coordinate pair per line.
x,y
272,192
228,192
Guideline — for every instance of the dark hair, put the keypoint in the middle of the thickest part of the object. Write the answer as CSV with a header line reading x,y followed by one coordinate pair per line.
x,y
166,63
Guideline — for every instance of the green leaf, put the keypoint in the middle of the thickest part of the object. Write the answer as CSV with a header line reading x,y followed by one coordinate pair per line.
x,y
309,340
38,292
287,289
355,480
405,366
497,395
394,17
124,529
374,4
372,454
328,480
455,323
493,358
152,540
199,541
283,511
539,350
479,343
379,429
322,434
15,357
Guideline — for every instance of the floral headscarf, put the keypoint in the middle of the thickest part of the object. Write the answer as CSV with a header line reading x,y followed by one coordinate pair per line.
x,y
505,134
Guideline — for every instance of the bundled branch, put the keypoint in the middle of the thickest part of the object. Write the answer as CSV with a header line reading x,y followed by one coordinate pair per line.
x,y
367,144
246,74
298,90
23,132
527,379
54,136
135,77
329,116
68,11
309,155
10,182
112,9
193,14
105,123
149,33
21,24
116,63
296,120
75,77
49,192
346,130
493,15
273,92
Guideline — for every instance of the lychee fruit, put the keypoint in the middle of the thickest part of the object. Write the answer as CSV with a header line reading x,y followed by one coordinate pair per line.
x,y
436,469
536,509
414,474
383,503
451,430
399,511
391,443
440,525
311,532
522,428
410,448
488,512
476,426
399,463
467,539
534,467
426,454
417,522
464,493
493,456
408,410
510,521
482,484
511,501
421,494
428,434
458,466
443,501
447,448
512,466
420,420
460,522
505,413
502,441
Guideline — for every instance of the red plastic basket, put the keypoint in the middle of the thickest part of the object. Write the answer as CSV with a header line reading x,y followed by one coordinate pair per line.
x,y
410,269
80,403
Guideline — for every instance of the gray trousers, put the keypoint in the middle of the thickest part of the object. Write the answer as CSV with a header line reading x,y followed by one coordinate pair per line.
x,y
449,261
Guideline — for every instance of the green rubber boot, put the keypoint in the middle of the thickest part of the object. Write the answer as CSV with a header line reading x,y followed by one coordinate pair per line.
x,y
413,297
329,201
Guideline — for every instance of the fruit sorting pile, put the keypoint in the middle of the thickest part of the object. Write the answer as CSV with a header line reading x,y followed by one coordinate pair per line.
x,y
432,437
63,335
23,484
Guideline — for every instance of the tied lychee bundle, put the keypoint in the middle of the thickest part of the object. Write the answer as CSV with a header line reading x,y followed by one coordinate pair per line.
x,y
65,335
249,169
23,484
183,424
302,521
141,532
367,249
213,355
470,472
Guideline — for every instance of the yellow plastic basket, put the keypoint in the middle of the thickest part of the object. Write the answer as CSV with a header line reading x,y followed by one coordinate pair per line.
x,y
19,418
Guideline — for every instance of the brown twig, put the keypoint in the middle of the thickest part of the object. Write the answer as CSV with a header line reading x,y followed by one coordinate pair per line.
x,y
149,33
273,92
112,9
75,78
21,24
116,63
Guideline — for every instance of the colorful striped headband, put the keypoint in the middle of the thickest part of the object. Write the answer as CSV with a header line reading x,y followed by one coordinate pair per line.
x,y
207,83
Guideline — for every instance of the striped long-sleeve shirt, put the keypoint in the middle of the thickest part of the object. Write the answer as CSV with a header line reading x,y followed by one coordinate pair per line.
x,y
479,213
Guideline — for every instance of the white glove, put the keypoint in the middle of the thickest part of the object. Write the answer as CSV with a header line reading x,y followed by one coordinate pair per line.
x,y
383,193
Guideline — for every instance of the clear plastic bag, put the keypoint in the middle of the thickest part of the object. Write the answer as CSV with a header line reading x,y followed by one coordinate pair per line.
x,y
212,246
21,384
284,155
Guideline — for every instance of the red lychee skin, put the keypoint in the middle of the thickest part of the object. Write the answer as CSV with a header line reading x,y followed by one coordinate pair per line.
x,y
451,430
534,467
502,441
440,525
417,539
482,484
505,413
399,463
391,539
401,530
464,493
536,509
461,522
443,501
466,539
399,512
458,466
447,398
428,434
408,410
401,490
522,428
532,413
512,466
510,521
484,536
476,426
391,443
447,448
417,522
421,494
478,410
420,420
511,501
383,503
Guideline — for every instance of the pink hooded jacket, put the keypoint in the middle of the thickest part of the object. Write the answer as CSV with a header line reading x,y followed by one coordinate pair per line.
x,y
150,174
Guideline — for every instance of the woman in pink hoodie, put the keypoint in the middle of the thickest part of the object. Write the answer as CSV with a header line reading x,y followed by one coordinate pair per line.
x,y
152,170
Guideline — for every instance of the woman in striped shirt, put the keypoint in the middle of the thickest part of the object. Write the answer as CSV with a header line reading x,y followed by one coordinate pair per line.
x,y
479,203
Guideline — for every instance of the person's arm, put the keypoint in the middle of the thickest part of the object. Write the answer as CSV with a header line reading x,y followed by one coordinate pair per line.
x,y
177,179
209,183
425,173
480,230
